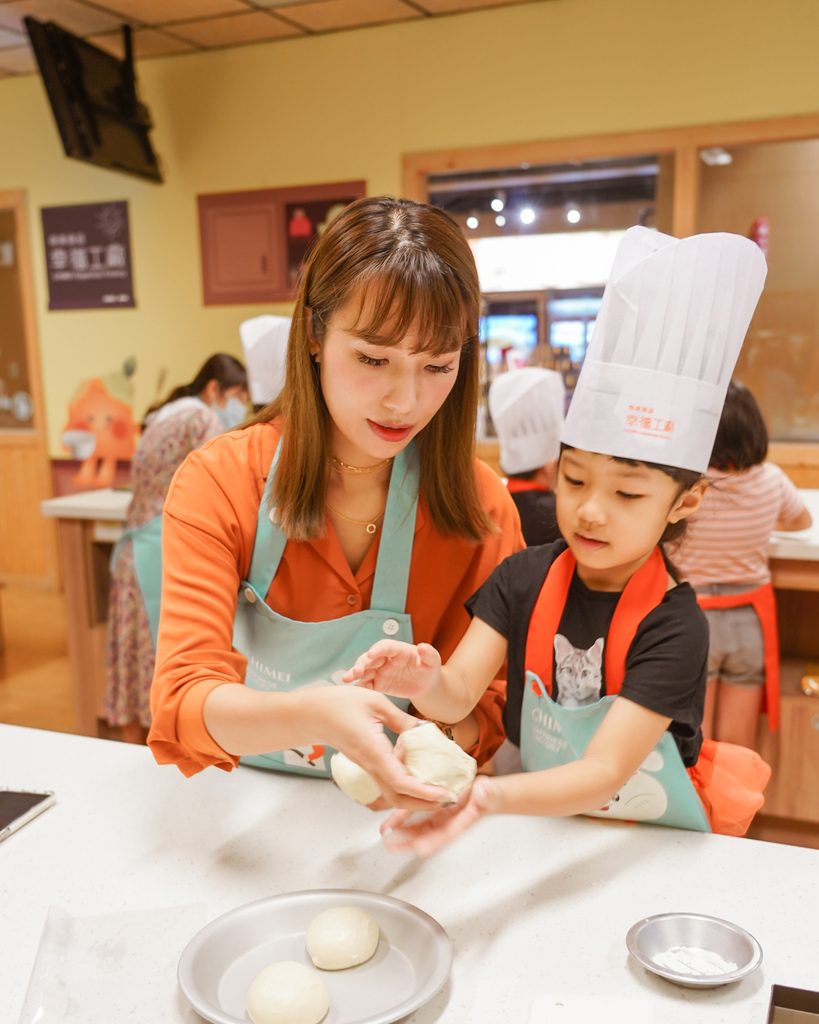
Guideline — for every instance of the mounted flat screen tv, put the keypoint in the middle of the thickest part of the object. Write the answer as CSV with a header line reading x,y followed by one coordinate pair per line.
x,y
93,97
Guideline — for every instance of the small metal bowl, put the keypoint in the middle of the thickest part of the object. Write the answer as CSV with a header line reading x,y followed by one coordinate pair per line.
x,y
665,933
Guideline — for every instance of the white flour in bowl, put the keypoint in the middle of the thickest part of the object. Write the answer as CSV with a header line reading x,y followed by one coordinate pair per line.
x,y
687,960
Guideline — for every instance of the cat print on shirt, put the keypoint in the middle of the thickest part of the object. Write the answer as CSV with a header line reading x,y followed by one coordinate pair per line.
x,y
578,673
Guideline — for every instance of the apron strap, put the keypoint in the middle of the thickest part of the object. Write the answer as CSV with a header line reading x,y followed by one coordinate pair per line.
x,y
546,616
643,592
641,595
268,547
392,566
395,549
519,486
763,601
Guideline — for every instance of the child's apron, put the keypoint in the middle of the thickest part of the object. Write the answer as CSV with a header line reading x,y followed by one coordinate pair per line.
x,y
661,790
285,655
763,601
146,545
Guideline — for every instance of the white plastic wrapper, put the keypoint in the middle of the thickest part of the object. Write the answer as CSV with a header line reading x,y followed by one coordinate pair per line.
x,y
117,968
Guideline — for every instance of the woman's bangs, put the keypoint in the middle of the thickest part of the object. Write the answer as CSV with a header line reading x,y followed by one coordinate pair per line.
x,y
396,301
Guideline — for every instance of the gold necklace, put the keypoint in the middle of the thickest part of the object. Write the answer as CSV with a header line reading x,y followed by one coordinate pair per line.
x,y
340,466
370,524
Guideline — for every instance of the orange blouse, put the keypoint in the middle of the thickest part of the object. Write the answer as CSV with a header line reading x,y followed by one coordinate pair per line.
x,y
208,531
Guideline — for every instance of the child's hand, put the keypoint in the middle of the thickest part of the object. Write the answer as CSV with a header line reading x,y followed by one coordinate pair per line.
x,y
397,668
428,835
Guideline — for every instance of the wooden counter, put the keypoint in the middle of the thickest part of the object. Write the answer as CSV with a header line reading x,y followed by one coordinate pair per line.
x,y
88,525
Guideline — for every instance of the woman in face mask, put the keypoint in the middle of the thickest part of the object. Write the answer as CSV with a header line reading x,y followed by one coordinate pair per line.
x,y
213,402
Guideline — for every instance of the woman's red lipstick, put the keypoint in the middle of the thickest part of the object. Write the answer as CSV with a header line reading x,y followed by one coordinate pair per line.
x,y
388,433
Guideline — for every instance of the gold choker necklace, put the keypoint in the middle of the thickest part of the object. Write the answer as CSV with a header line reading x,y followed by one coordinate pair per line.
x,y
342,467
370,524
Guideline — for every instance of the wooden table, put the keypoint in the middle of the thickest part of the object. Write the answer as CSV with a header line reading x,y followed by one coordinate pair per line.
x,y
88,524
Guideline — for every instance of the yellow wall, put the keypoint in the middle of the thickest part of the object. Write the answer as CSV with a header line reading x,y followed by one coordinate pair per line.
x,y
348,105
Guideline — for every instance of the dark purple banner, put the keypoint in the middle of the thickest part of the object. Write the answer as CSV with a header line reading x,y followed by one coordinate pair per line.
x,y
88,256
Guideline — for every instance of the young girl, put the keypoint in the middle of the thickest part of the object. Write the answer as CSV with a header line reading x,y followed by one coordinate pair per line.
x,y
351,509
607,653
724,557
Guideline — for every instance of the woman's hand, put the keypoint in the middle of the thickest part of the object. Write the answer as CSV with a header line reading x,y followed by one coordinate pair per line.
x,y
428,835
397,668
353,721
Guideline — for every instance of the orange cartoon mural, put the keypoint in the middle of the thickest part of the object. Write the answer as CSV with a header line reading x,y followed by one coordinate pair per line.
x,y
100,430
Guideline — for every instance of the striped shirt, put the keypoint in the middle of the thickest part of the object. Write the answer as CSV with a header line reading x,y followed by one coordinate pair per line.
x,y
727,538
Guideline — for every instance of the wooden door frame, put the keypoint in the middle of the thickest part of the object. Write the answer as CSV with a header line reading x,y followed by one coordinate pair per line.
x,y
35,438
683,144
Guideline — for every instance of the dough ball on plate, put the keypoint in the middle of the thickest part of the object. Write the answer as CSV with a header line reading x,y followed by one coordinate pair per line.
x,y
435,759
341,937
287,993
352,780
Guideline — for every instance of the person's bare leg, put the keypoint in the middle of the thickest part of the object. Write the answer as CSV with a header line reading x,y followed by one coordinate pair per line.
x,y
710,707
737,716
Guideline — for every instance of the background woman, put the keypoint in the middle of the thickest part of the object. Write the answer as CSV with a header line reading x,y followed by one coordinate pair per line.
x,y
190,415
375,518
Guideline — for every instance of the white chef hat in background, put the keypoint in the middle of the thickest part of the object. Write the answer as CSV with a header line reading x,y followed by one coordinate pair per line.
x,y
673,318
264,340
526,407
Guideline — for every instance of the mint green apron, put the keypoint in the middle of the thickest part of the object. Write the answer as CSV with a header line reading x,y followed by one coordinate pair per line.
x,y
146,542
659,792
285,655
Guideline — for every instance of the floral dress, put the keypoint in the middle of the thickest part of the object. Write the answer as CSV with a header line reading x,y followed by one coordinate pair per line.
x,y
176,430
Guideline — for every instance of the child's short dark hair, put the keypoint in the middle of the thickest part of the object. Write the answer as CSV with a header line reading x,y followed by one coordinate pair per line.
x,y
742,437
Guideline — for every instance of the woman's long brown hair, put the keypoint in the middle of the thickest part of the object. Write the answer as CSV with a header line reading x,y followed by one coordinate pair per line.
x,y
407,266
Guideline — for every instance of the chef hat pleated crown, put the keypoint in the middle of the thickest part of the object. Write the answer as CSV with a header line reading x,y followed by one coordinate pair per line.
x,y
671,324
526,407
264,341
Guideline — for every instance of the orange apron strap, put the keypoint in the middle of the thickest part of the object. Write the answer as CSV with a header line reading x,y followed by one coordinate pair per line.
x,y
516,486
763,601
643,592
545,619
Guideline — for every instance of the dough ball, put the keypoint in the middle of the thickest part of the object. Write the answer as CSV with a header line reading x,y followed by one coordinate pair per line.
x,y
352,780
287,993
341,937
434,758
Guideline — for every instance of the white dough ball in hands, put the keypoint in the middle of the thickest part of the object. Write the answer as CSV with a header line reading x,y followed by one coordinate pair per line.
x,y
437,760
341,937
353,780
287,992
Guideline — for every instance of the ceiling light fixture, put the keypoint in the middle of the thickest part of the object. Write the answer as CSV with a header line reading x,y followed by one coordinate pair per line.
x,y
500,220
527,215
472,222
716,156
573,215
498,202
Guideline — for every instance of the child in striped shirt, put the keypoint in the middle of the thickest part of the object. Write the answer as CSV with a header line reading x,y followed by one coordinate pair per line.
x,y
724,552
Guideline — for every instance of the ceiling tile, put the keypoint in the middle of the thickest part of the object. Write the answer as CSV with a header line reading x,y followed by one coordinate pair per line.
x,y
75,17
148,42
324,15
19,60
158,12
238,28
451,6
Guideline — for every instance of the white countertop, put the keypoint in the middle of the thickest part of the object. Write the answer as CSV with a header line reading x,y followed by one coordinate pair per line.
x,y
799,544
531,905
107,504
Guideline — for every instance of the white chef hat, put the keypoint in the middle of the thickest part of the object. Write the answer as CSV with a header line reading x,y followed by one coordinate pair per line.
x,y
526,407
264,340
671,324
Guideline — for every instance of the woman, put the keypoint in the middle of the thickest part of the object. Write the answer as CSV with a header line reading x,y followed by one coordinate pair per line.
x,y
351,509
192,414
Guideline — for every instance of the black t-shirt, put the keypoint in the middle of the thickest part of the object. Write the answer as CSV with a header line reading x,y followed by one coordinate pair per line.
x,y
666,664
537,516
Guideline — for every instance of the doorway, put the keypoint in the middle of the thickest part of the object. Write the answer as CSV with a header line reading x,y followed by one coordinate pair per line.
x,y
28,542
